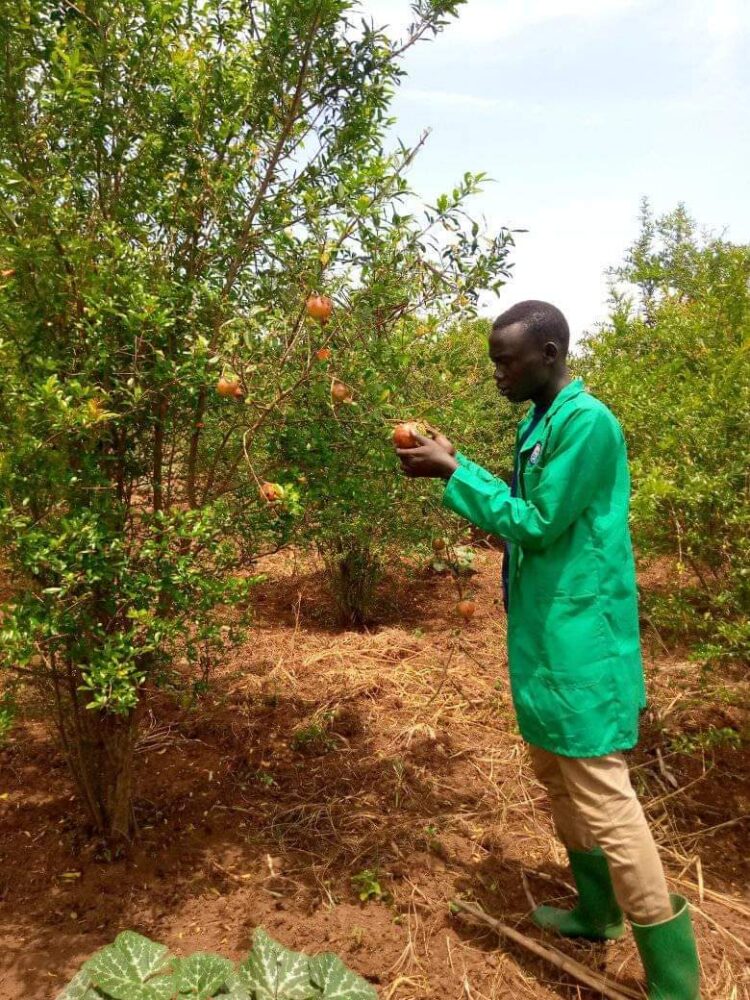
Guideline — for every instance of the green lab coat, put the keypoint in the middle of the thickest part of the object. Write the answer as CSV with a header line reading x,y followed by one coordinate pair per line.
x,y
573,644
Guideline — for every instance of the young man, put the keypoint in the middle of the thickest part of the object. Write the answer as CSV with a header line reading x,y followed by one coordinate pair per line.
x,y
573,644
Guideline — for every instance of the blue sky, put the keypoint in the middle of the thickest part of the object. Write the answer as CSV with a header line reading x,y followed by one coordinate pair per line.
x,y
577,109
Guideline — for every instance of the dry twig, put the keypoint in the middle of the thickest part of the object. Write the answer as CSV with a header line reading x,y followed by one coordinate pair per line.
x,y
558,959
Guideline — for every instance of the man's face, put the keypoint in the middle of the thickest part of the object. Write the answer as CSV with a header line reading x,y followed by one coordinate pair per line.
x,y
521,366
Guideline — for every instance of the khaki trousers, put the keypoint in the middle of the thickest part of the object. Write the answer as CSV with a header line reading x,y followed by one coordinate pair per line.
x,y
594,804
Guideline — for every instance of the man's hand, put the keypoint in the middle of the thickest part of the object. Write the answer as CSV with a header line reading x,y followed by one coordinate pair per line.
x,y
441,439
433,459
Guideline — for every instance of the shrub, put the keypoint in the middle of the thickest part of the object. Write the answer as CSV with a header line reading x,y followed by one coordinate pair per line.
x,y
672,362
175,179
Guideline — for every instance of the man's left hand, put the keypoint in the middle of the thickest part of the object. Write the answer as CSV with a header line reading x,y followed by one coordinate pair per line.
x,y
430,460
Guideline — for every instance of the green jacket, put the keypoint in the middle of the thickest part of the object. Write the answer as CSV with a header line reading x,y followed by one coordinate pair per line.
x,y
573,644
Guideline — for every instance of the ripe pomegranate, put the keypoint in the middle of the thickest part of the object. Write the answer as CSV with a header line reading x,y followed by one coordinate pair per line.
x,y
271,492
323,353
403,435
228,387
319,307
466,609
340,393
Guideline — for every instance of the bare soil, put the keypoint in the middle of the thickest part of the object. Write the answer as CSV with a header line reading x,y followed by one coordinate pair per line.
x,y
319,755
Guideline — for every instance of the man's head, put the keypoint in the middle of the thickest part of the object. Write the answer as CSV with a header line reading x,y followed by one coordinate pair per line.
x,y
528,346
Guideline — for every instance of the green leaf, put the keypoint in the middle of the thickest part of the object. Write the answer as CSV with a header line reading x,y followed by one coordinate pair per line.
x,y
201,975
274,972
337,982
235,987
124,969
80,988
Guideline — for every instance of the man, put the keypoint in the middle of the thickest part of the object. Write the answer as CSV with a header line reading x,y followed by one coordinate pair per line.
x,y
573,644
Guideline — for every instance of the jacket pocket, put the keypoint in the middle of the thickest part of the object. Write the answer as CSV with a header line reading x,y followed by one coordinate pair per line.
x,y
576,642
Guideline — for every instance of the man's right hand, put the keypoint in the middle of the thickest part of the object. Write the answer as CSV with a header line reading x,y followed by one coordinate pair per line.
x,y
441,439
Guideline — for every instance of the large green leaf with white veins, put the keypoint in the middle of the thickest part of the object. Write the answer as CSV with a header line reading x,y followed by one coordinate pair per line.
x,y
80,988
272,972
235,988
134,968
336,982
202,976
131,969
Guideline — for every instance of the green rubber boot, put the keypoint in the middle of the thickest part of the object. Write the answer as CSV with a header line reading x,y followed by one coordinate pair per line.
x,y
597,915
669,955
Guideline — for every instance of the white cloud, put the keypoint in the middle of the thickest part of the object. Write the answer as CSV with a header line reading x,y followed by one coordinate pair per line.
x,y
563,257
719,33
674,128
484,22
457,99
489,21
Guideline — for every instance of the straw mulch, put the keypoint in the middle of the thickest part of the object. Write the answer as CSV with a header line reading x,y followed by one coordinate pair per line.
x,y
342,788
414,771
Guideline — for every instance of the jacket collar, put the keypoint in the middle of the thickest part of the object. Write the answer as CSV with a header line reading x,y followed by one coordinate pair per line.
x,y
571,390
574,388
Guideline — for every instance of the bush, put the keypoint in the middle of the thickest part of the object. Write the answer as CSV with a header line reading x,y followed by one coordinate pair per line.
x,y
173,186
673,363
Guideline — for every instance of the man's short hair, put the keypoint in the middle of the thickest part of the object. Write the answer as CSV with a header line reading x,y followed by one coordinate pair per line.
x,y
540,319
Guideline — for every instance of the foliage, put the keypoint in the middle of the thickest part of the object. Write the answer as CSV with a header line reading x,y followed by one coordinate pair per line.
x,y
705,740
7,713
135,967
314,738
457,380
673,364
435,369
458,560
387,353
175,179
367,885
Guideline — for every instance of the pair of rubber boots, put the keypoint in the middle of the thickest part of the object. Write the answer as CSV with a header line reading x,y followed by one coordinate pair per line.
x,y
667,949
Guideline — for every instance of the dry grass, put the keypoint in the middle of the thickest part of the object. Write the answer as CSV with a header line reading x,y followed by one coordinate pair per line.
x,y
321,754
426,780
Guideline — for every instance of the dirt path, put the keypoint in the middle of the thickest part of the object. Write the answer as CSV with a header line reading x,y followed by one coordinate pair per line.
x,y
320,756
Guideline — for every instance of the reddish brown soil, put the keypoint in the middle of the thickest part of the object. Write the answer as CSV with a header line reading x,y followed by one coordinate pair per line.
x,y
415,771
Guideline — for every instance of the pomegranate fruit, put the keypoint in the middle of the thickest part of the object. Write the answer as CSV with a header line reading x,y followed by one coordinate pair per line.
x,y
466,609
271,492
228,387
319,307
403,435
340,393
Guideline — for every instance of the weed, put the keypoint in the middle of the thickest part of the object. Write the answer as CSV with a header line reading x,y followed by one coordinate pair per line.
x,y
314,737
706,739
367,885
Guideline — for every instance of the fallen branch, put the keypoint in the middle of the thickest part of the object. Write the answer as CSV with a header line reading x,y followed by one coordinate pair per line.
x,y
553,956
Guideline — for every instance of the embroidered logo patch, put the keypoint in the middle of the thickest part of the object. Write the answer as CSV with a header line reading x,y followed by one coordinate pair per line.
x,y
534,456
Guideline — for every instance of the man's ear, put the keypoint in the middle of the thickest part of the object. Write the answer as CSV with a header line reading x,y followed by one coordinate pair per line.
x,y
550,352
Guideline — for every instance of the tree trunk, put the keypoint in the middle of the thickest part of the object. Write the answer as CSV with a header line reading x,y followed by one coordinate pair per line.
x,y
107,755
99,747
353,572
